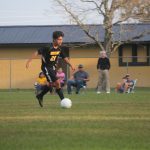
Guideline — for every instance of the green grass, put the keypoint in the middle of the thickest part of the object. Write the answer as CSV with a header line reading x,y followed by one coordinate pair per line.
x,y
95,122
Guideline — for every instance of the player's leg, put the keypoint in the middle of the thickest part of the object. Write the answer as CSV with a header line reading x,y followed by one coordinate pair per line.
x,y
51,89
58,89
46,89
51,75
40,96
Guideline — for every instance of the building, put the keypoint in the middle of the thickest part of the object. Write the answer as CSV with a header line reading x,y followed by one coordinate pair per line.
x,y
17,43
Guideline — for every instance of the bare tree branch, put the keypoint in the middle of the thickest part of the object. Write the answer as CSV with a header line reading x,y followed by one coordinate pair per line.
x,y
125,9
84,27
99,7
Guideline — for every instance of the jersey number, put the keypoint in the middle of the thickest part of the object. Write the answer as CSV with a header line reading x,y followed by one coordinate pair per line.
x,y
53,58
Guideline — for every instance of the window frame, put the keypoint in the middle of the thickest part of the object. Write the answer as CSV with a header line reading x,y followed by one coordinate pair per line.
x,y
134,54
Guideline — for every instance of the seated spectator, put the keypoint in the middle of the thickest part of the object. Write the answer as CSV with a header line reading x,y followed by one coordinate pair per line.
x,y
41,83
126,84
123,86
130,83
78,80
61,76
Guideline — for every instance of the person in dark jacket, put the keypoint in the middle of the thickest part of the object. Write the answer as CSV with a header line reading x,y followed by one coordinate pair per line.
x,y
103,66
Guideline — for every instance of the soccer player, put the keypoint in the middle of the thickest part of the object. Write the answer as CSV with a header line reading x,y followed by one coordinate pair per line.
x,y
49,57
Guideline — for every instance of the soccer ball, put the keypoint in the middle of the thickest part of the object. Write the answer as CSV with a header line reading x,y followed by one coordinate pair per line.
x,y
66,103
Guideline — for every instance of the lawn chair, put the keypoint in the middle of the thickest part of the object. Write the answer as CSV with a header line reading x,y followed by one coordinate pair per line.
x,y
37,88
131,89
82,89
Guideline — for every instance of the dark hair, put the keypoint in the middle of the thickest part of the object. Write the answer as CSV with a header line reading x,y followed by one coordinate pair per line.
x,y
57,34
40,74
127,75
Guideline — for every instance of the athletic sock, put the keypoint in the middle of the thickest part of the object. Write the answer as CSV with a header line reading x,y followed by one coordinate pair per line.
x,y
44,91
60,93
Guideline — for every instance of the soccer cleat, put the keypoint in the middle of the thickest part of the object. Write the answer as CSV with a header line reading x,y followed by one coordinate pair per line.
x,y
40,100
77,92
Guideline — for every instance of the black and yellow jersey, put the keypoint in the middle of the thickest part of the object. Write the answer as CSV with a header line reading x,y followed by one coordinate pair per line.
x,y
50,56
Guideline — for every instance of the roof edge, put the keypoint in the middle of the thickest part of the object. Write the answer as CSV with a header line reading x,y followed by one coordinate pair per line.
x,y
16,26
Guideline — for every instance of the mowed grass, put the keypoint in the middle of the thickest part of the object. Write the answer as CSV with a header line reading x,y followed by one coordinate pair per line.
x,y
95,122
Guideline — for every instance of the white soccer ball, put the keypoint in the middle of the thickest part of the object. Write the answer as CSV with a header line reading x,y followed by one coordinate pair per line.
x,y
66,103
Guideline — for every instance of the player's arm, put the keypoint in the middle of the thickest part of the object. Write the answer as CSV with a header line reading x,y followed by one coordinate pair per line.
x,y
63,56
33,56
68,62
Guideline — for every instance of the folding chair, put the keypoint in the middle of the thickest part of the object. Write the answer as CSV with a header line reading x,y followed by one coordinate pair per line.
x,y
37,88
131,89
82,89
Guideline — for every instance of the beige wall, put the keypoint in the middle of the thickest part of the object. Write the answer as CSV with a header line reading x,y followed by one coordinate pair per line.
x,y
84,56
116,72
16,52
22,78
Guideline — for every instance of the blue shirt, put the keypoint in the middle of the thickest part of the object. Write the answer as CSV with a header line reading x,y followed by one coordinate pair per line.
x,y
81,75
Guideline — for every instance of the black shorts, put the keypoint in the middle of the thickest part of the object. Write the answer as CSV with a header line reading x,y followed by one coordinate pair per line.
x,y
50,73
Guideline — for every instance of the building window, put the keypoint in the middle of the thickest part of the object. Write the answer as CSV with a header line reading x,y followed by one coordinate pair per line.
x,y
134,55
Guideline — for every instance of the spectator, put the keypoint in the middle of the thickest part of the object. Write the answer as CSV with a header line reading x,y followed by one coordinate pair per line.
x,y
126,85
41,83
129,81
61,76
78,80
103,66
123,86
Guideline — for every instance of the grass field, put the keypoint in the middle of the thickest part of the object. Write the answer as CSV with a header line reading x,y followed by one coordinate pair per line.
x,y
95,122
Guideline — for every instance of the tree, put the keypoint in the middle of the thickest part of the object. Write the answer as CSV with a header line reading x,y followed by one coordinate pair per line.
x,y
112,12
